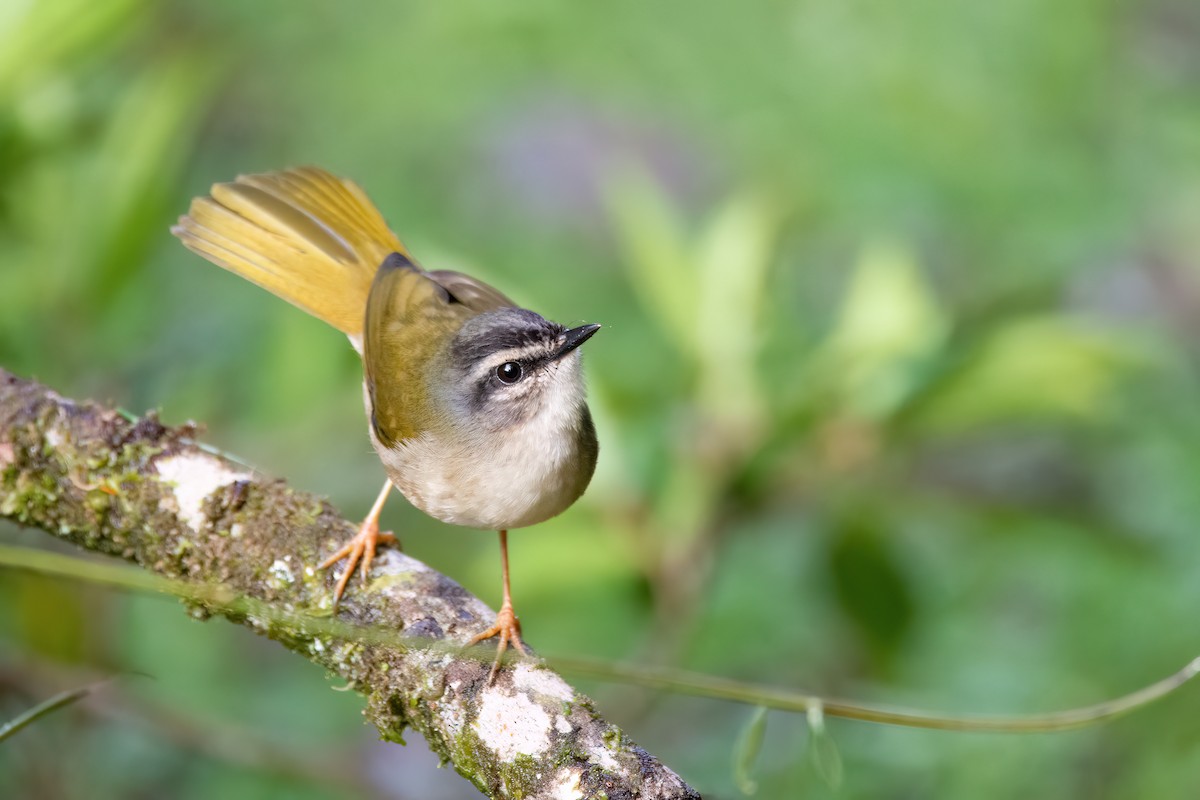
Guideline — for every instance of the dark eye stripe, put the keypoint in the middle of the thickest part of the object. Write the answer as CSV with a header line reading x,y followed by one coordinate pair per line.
x,y
512,329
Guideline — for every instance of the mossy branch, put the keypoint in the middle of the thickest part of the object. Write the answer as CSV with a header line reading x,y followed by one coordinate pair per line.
x,y
151,495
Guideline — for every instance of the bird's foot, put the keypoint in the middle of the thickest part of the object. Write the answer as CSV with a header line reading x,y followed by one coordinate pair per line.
x,y
360,550
508,628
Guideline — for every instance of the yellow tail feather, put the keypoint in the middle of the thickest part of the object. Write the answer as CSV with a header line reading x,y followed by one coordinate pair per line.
x,y
309,237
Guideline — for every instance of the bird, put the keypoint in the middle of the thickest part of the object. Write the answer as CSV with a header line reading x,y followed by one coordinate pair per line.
x,y
476,406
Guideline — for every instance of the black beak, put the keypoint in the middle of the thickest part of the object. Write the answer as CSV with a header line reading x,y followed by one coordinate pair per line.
x,y
575,337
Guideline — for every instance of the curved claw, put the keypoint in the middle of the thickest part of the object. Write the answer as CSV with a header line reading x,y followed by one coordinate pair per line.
x,y
359,551
508,628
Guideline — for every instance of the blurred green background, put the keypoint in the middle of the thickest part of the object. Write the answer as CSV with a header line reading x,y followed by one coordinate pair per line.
x,y
897,391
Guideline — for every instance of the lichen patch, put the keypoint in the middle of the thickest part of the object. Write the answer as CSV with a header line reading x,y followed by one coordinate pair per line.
x,y
453,716
54,438
533,679
565,785
512,724
601,757
193,477
280,574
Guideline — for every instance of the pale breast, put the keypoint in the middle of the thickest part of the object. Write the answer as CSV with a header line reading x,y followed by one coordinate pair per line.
x,y
500,484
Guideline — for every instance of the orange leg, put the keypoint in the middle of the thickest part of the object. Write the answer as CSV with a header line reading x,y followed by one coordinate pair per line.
x,y
361,547
507,626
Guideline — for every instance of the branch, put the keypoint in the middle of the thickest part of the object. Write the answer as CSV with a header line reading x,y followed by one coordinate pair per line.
x,y
151,495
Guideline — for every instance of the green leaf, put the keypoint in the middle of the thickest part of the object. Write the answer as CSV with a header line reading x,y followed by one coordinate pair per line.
x,y
733,257
1054,368
823,752
130,177
42,709
746,750
889,325
661,270
37,37
870,583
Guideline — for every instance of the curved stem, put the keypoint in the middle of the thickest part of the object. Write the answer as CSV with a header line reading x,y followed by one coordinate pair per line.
x,y
701,685
696,684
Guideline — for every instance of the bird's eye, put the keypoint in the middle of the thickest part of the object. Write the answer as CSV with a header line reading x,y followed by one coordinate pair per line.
x,y
509,372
